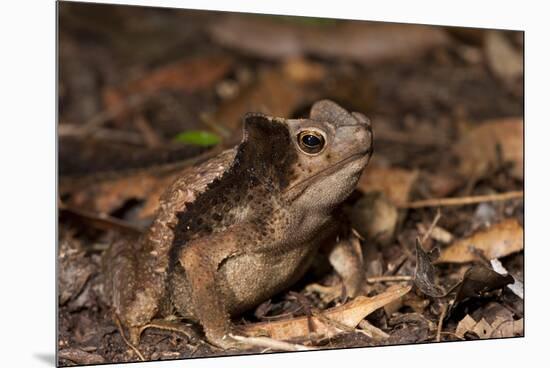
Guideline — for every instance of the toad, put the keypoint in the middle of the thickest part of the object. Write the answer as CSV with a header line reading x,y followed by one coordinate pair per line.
x,y
241,227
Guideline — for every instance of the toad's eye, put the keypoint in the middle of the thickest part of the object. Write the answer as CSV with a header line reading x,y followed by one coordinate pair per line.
x,y
311,142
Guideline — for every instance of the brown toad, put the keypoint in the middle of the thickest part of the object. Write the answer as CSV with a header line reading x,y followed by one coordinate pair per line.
x,y
243,226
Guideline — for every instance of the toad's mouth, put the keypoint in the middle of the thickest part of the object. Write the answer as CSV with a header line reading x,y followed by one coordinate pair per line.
x,y
302,185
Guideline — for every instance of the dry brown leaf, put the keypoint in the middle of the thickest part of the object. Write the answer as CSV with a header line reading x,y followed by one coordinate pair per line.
x,y
395,304
80,356
395,183
437,233
349,314
481,149
187,75
504,60
304,71
497,241
274,94
441,185
483,329
108,196
74,271
363,42
375,217
466,324
507,328
500,327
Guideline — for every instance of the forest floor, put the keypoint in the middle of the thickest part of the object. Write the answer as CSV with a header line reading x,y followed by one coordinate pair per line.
x,y
439,209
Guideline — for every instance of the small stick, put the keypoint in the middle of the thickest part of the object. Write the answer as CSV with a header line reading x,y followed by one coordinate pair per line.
x,y
432,226
371,331
135,349
372,280
461,201
270,343
440,323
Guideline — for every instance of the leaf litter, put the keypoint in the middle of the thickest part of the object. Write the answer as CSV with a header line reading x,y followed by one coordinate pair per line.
x,y
445,109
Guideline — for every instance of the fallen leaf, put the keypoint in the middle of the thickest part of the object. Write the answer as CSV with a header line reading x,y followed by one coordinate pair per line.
x,y
74,270
465,325
395,304
504,60
198,137
349,315
517,286
424,274
273,94
364,42
479,280
80,356
441,185
187,75
301,70
106,195
109,195
395,183
498,241
437,233
507,328
374,217
483,329
490,144
499,328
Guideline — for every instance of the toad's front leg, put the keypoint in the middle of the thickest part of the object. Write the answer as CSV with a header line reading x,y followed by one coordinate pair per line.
x,y
201,259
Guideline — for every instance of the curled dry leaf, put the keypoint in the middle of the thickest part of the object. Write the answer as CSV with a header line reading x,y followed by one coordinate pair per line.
x,y
395,183
424,275
498,241
348,315
364,42
479,280
437,233
489,145
375,217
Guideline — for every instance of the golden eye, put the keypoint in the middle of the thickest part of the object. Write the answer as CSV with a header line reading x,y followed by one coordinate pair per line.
x,y
311,142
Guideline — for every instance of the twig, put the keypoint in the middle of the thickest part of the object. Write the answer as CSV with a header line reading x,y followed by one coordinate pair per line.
x,y
371,331
270,343
461,201
150,137
372,280
432,226
103,117
452,334
135,349
440,323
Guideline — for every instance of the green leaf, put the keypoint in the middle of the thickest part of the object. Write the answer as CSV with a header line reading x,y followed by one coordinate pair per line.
x,y
197,138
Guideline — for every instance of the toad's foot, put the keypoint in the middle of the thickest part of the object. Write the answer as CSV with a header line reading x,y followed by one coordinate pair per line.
x,y
229,341
270,344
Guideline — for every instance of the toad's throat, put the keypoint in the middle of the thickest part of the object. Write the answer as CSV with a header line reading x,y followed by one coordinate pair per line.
x,y
296,189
